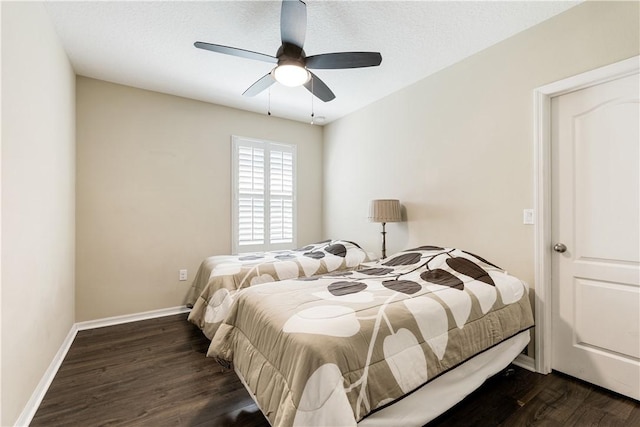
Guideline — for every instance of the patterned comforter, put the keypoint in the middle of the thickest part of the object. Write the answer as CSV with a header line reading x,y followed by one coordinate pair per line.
x,y
219,277
330,350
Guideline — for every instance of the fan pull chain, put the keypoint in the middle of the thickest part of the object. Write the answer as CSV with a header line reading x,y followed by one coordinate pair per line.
x,y
269,106
312,113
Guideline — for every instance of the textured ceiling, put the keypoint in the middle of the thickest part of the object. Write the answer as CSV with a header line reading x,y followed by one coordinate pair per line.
x,y
149,45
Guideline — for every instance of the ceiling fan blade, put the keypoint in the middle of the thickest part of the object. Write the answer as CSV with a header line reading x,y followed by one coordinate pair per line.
x,y
293,22
318,88
263,83
234,51
344,60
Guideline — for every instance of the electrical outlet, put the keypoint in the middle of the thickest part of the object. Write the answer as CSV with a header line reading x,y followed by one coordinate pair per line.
x,y
527,216
183,275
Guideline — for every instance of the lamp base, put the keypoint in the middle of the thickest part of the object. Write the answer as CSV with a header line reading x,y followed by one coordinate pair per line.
x,y
384,241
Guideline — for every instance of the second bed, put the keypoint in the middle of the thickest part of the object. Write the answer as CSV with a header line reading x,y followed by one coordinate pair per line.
x,y
220,277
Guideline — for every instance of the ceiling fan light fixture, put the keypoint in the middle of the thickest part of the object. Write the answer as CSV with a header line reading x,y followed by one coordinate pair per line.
x,y
293,65
291,75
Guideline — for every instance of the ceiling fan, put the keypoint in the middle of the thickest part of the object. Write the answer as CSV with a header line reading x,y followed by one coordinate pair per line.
x,y
293,65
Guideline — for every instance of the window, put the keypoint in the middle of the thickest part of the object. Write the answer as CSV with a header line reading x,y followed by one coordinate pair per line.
x,y
264,211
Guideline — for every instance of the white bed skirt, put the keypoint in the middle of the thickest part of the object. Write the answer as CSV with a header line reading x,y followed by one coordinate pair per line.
x,y
444,392
439,395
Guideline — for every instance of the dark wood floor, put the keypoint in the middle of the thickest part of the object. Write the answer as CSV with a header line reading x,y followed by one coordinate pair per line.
x,y
155,373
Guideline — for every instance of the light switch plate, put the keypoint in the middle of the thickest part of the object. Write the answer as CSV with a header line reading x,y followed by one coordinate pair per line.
x,y
527,216
183,275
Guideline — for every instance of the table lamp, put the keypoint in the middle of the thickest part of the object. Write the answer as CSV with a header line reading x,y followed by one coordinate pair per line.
x,y
384,210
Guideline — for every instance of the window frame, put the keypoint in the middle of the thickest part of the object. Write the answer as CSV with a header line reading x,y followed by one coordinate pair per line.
x,y
268,147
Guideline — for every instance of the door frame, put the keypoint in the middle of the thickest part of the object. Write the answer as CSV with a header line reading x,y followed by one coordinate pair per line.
x,y
542,192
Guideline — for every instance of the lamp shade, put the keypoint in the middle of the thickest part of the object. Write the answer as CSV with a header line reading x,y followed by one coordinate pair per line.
x,y
385,210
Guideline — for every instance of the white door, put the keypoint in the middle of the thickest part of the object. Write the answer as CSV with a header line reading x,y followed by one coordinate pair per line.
x,y
595,203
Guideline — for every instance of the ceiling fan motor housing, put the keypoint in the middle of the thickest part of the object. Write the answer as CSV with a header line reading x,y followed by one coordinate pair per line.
x,y
291,54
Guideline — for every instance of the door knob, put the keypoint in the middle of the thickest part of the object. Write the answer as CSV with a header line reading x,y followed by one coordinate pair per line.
x,y
559,247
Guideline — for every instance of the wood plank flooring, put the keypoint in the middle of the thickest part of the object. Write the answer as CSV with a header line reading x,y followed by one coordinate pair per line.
x,y
155,373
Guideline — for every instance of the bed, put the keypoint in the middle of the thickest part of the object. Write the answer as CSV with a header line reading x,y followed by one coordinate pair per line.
x,y
220,277
395,343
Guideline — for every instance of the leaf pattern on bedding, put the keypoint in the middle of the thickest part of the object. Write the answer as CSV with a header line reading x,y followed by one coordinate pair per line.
x,y
263,278
469,268
314,254
426,248
406,359
323,386
310,266
442,277
220,304
346,288
376,271
404,259
339,273
431,318
405,286
458,302
333,262
286,270
355,257
509,292
331,320
374,334
486,295
362,297
337,250
234,272
250,257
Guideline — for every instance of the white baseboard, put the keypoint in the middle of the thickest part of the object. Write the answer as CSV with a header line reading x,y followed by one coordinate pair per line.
x,y
525,362
127,318
41,389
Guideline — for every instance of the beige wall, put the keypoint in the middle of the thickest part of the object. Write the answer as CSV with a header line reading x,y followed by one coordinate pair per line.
x,y
38,191
153,174
154,192
457,148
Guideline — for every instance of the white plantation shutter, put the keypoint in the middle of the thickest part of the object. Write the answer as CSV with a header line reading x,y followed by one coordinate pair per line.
x,y
264,195
281,196
250,196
